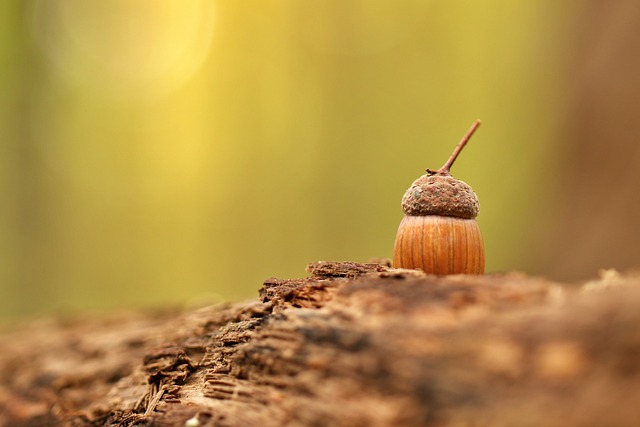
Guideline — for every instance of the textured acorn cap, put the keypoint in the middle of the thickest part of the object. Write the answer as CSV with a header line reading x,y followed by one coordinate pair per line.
x,y
440,194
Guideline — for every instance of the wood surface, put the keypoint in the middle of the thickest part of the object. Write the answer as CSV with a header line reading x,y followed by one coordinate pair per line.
x,y
352,345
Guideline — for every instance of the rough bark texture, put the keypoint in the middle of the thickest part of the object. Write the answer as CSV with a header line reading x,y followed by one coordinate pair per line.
x,y
353,345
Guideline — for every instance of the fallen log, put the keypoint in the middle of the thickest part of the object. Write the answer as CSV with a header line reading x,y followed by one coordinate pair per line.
x,y
351,345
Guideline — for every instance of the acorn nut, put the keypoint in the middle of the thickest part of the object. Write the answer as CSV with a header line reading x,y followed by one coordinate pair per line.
x,y
439,233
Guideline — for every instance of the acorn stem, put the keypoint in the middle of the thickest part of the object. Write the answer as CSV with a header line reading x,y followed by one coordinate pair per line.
x,y
444,170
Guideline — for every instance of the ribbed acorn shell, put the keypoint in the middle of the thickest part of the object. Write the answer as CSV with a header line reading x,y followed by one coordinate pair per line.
x,y
439,245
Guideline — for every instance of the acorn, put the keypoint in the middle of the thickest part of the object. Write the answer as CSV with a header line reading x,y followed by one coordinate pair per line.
x,y
439,233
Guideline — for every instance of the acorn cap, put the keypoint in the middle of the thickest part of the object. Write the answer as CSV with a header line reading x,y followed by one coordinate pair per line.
x,y
440,194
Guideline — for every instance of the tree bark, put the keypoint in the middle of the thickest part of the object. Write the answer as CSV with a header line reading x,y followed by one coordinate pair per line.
x,y
595,208
352,345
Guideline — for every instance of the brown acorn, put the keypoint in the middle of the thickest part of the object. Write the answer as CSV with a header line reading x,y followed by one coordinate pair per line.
x,y
439,233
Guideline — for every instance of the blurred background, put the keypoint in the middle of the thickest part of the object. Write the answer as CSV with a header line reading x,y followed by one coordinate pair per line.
x,y
168,152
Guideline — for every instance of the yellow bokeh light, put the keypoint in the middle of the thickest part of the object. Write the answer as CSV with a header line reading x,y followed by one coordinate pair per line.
x,y
134,48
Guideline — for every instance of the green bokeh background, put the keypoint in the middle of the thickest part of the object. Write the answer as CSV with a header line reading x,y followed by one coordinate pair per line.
x,y
166,152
